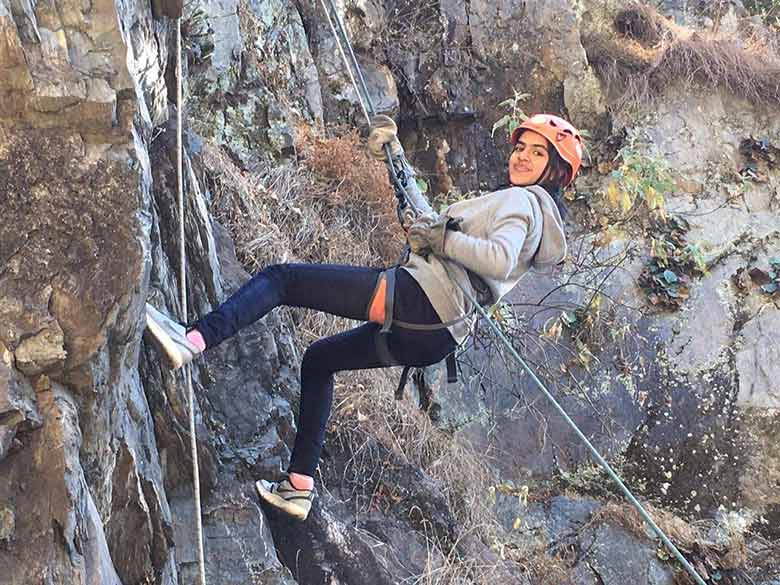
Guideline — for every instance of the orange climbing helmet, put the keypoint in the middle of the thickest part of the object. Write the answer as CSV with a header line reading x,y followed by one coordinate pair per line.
x,y
564,137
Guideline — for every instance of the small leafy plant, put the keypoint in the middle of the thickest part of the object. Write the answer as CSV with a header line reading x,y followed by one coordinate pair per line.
x,y
639,178
515,115
673,264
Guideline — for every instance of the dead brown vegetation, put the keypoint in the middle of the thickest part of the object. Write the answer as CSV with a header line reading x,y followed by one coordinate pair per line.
x,y
650,53
344,176
336,206
642,23
678,530
543,566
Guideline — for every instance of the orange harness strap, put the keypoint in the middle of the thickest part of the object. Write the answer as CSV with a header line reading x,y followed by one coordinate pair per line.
x,y
376,309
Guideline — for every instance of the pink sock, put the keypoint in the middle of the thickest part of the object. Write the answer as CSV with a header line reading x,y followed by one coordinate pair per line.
x,y
300,481
196,339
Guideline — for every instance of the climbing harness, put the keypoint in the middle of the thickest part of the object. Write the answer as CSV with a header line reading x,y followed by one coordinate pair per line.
x,y
380,311
183,292
366,104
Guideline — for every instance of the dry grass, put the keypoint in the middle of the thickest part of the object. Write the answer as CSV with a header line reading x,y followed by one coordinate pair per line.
x,y
650,54
678,530
350,181
367,411
335,207
533,559
546,569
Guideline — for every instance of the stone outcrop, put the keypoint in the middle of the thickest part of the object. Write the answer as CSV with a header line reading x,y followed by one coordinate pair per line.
x,y
91,456
260,83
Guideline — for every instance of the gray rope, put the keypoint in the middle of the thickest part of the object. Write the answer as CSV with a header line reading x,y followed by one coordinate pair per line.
x,y
183,291
597,456
359,72
364,99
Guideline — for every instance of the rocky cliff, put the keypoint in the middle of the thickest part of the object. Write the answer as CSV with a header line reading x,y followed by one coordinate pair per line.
x,y
657,335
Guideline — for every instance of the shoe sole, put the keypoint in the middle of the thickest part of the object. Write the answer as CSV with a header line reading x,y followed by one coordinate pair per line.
x,y
164,342
280,503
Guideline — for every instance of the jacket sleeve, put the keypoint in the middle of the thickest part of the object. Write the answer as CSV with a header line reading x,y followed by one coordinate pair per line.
x,y
493,257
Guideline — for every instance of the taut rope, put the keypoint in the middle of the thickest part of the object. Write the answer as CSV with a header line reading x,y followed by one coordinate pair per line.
x,y
183,292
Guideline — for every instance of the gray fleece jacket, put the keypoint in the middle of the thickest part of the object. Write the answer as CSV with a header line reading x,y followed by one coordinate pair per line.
x,y
503,234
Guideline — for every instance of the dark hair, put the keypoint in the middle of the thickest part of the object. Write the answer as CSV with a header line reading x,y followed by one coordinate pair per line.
x,y
555,178
557,195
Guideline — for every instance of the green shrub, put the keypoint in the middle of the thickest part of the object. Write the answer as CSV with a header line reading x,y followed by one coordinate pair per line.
x,y
674,262
640,178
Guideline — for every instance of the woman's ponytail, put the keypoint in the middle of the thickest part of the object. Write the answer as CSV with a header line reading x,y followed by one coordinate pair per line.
x,y
555,176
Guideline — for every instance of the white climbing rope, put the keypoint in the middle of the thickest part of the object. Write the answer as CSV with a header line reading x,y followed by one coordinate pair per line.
x,y
341,35
341,39
364,99
183,292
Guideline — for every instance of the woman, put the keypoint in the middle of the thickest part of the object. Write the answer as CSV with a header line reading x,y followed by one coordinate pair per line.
x,y
484,245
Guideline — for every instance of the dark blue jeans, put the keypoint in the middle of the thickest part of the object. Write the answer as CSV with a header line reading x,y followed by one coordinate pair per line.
x,y
339,290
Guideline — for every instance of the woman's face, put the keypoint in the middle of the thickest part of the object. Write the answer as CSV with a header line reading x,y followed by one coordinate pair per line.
x,y
529,159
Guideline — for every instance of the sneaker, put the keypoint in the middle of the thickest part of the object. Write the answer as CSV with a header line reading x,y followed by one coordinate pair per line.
x,y
170,338
283,496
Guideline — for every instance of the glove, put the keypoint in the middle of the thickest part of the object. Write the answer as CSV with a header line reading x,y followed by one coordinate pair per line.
x,y
383,131
407,219
418,234
426,235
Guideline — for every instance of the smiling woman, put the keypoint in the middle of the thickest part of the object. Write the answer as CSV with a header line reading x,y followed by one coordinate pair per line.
x,y
548,152
529,159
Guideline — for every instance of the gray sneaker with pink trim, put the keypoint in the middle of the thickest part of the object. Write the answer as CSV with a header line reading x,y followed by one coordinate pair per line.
x,y
283,496
170,338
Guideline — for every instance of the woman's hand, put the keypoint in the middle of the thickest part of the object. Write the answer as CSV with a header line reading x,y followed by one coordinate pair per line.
x,y
418,234
383,131
427,233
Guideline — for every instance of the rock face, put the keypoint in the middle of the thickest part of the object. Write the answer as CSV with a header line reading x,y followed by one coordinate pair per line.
x,y
65,541
607,551
259,85
95,464
73,257
757,363
91,456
